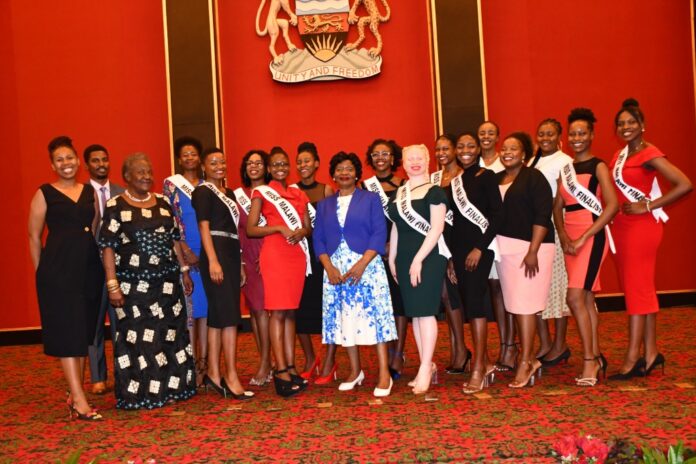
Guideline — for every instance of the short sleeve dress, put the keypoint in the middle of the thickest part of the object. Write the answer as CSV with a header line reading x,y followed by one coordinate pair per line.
x,y
282,265
152,353
223,299
423,300
637,237
70,276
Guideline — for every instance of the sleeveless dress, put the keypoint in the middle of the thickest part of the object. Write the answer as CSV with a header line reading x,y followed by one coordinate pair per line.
x,y
185,216
152,354
556,306
309,314
359,314
251,249
583,268
637,237
282,264
70,276
223,299
423,300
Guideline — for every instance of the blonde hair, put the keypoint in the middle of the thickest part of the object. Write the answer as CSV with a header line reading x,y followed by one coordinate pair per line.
x,y
424,149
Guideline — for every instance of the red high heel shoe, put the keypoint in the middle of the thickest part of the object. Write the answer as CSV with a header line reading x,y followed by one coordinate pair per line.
x,y
327,378
313,370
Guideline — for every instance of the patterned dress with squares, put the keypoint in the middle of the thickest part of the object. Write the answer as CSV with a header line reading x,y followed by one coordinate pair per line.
x,y
152,354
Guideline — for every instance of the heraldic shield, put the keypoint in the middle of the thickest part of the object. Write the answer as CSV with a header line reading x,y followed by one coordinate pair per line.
x,y
323,26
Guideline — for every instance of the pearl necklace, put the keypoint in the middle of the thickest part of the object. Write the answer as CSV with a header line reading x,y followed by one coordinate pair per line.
x,y
136,199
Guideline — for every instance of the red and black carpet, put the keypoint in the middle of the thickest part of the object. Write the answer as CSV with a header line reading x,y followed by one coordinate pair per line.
x,y
324,425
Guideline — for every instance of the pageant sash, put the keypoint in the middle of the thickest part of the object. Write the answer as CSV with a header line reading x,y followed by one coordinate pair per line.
x,y
231,205
584,197
182,184
436,178
245,202
633,193
415,220
470,212
290,216
310,208
373,185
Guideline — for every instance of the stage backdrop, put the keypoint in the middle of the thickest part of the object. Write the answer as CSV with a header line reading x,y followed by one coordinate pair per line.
x,y
544,57
92,70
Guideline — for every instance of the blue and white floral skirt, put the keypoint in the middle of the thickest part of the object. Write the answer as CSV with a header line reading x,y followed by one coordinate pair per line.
x,y
359,314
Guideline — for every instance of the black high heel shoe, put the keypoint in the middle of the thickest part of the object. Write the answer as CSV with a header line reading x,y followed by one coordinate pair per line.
x,y
602,365
245,395
286,388
296,379
208,383
658,361
93,415
557,360
638,370
460,370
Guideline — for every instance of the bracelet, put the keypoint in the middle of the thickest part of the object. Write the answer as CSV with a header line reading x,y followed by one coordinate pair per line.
x,y
111,282
185,268
114,290
647,204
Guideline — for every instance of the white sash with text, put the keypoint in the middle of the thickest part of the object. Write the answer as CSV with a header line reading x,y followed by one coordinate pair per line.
x,y
310,208
584,197
182,184
633,193
415,220
373,185
231,205
245,202
436,178
471,212
290,216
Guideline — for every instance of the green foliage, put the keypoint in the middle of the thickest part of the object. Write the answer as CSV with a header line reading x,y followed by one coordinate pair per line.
x,y
675,455
74,458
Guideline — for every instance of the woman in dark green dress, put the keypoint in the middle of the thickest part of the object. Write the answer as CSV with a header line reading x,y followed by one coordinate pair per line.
x,y
418,256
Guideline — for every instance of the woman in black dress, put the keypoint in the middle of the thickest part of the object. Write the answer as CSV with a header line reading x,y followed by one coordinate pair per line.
x,y
308,315
477,209
222,272
144,268
69,277
384,157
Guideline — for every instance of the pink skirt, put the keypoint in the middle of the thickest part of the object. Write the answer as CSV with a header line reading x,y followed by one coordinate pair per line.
x,y
524,295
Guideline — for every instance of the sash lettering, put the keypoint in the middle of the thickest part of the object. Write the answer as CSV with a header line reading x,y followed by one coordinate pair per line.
x,y
310,208
633,193
373,185
182,184
231,205
583,196
436,178
470,212
245,202
290,217
415,220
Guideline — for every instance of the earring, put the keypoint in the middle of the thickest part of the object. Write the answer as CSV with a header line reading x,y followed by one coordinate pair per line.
x,y
643,129
334,179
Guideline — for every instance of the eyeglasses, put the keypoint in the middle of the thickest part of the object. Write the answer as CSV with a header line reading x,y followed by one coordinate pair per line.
x,y
254,163
380,154
345,169
189,153
280,164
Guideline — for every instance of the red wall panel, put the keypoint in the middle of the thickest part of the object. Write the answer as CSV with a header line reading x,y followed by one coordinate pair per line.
x,y
92,70
544,57
338,115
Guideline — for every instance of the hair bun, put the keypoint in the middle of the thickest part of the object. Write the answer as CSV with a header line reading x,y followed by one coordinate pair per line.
x,y
630,102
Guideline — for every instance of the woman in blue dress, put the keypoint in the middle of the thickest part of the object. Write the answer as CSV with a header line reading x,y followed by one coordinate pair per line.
x,y
179,189
349,234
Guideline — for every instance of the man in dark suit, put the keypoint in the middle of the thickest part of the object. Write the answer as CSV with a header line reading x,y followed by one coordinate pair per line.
x,y
97,162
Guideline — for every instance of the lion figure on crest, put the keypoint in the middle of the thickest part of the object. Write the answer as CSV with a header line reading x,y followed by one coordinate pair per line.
x,y
373,19
274,25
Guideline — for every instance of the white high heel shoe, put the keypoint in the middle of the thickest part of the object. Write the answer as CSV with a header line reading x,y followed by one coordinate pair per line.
x,y
347,386
382,392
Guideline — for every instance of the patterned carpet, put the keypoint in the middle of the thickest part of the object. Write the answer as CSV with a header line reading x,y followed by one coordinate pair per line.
x,y
502,425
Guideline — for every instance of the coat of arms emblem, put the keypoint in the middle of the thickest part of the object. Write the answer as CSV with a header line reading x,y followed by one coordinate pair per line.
x,y
323,26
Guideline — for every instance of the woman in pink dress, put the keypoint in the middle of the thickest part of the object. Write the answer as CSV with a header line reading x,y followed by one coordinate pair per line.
x,y
253,173
583,236
638,232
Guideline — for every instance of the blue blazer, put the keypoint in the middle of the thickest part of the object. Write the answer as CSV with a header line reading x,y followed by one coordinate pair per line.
x,y
365,227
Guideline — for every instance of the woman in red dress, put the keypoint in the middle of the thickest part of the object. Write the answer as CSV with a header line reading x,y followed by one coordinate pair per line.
x,y
638,231
583,236
283,262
